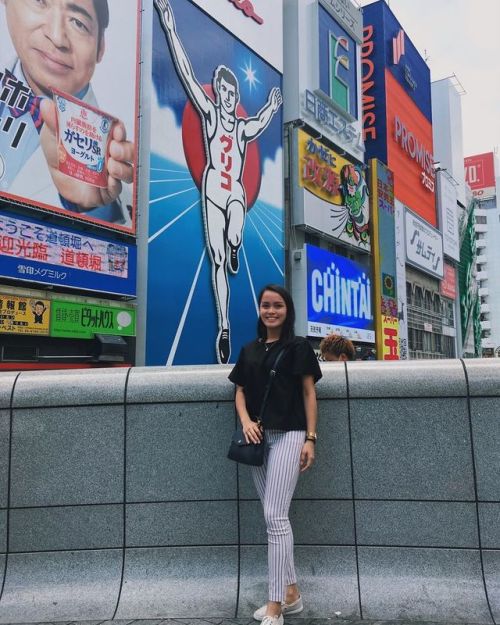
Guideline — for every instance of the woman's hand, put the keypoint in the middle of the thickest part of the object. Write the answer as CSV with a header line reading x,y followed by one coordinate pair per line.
x,y
306,456
252,432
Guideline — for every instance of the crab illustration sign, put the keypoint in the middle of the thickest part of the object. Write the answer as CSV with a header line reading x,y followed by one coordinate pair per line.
x,y
335,194
222,121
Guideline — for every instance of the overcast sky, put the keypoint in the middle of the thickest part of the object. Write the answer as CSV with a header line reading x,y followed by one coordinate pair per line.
x,y
461,37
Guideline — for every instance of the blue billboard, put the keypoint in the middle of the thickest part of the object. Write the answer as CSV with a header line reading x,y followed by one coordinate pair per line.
x,y
338,74
36,251
393,51
216,224
386,50
339,296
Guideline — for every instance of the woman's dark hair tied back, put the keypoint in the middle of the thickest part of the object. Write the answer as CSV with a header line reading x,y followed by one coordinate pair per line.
x,y
288,328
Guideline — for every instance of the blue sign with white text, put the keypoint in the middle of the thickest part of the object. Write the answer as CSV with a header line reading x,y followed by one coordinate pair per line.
x,y
339,296
37,251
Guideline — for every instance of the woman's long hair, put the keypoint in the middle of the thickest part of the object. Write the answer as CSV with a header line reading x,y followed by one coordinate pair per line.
x,y
288,328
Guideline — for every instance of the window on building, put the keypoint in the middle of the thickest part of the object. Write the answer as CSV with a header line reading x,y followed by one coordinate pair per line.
x,y
428,342
448,313
428,300
436,303
437,341
489,203
481,219
415,339
409,294
418,301
448,347
311,239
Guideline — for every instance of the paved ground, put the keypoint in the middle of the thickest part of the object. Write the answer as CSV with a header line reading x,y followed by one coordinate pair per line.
x,y
195,621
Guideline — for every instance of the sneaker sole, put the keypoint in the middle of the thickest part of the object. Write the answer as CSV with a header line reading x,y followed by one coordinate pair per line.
x,y
258,617
293,611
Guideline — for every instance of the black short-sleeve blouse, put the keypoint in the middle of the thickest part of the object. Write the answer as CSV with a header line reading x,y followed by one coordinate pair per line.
x,y
285,406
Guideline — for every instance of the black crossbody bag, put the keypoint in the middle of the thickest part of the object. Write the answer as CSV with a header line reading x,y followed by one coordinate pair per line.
x,y
253,453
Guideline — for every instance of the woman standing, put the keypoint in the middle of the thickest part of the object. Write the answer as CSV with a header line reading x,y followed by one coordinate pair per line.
x,y
289,429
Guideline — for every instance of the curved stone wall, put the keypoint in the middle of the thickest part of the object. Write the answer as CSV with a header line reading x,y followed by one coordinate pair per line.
x,y
117,501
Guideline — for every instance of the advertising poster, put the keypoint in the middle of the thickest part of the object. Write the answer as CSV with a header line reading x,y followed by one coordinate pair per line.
x,y
397,112
83,321
424,245
216,228
33,250
448,285
448,215
399,214
410,152
336,201
88,50
24,315
338,71
480,175
339,296
384,257
390,340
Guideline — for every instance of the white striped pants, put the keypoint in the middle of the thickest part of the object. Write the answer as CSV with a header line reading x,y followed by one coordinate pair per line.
x,y
275,482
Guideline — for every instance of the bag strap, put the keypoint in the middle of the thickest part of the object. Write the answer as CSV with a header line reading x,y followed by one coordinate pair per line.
x,y
272,375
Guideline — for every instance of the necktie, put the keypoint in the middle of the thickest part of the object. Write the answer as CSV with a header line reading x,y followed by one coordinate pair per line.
x,y
33,108
32,105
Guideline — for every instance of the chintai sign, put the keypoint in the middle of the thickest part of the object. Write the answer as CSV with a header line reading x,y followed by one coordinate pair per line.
x,y
339,296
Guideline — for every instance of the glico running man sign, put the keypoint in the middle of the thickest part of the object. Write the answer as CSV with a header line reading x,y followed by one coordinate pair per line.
x,y
216,209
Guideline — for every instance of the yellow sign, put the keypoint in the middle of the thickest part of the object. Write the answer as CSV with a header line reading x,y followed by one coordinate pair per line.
x,y
390,338
322,171
24,315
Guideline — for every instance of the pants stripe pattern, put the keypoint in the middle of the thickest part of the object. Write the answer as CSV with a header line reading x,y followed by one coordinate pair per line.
x,y
275,482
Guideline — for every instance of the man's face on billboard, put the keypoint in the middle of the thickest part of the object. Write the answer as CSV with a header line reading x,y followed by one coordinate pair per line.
x,y
57,42
227,95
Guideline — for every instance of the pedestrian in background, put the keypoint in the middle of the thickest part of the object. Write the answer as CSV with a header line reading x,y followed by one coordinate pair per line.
x,y
289,431
335,347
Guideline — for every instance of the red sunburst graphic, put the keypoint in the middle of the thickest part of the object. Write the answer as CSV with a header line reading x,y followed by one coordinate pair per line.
x,y
194,150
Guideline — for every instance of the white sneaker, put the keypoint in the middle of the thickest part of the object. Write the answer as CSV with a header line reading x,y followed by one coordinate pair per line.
x,y
273,620
286,609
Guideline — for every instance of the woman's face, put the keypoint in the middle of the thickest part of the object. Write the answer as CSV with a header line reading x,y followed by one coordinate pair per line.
x,y
272,310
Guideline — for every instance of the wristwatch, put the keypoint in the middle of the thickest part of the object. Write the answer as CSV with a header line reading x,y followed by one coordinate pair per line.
x,y
312,436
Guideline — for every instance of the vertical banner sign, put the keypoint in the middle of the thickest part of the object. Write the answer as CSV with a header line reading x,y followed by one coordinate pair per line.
x,y
390,340
92,60
337,56
216,202
467,283
448,215
384,261
339,296
397,112
448,285
399,213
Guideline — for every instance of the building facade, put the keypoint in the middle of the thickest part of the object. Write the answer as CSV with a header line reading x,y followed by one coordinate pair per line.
x,y
481,172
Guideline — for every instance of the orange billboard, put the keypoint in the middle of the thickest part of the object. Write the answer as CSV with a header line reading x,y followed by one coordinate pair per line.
x,y
410,152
